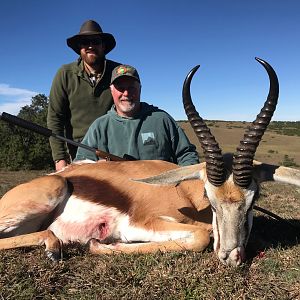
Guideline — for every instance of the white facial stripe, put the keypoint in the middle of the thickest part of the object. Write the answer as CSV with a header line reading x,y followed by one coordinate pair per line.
x,y
250,193
215,232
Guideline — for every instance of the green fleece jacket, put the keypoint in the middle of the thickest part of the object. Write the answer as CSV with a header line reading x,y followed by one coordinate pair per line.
x,y
153,134
75,103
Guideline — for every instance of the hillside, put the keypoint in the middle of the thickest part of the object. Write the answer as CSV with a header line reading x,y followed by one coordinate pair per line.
x,y
280,143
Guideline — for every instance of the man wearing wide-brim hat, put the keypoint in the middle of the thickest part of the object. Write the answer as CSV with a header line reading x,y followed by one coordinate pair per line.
x,y
80,90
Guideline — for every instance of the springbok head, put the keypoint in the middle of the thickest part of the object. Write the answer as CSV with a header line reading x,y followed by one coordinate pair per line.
x,y
231,181
230,186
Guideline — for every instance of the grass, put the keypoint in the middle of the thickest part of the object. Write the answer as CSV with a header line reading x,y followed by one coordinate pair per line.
x,y
272,269
286,148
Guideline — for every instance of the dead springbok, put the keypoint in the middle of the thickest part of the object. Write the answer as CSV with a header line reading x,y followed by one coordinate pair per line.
x,y
146,206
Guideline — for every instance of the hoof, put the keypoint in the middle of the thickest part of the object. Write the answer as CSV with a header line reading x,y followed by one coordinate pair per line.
x,y
54,255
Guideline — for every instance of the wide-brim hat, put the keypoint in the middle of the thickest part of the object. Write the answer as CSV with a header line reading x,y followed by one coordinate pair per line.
x,y
91,28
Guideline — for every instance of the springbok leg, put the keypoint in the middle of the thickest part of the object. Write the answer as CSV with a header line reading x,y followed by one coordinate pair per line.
x,y
27,207
46,237
194,238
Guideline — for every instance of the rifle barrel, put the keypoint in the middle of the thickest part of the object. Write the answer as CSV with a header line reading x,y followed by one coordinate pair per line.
x,y
48,133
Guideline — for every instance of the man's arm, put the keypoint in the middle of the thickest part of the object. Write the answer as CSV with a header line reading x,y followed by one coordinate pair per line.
x,y
56,117
92,138
185,152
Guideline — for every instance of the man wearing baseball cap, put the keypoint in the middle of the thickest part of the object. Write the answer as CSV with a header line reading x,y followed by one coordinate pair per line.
x,y
80,91
136,129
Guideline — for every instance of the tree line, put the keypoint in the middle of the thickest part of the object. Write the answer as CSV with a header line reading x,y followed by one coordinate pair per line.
x,y
24,149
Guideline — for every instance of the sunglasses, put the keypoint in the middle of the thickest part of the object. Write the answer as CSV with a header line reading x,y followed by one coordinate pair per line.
x,y
87,42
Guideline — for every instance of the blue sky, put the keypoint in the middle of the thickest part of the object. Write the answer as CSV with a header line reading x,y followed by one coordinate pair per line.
x,y
163,40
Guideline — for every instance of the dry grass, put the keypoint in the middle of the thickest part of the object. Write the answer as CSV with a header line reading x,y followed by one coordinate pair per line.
x,y
272,270
272,148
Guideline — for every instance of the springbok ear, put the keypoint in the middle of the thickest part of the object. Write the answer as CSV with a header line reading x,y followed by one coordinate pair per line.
x,y
267,172
175,176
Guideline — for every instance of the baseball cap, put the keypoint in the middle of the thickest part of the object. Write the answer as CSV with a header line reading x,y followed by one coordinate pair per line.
x,y
124,70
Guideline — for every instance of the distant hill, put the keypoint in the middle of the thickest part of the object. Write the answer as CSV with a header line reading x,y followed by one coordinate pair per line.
x,y
279,145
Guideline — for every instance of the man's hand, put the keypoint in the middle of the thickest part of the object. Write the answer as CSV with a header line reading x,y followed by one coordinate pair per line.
x,y
59,165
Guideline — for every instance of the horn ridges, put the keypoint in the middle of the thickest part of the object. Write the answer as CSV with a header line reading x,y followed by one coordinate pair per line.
x,y
243,158
212,152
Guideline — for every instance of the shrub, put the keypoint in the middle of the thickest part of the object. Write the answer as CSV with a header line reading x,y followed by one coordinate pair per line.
x,y
24,149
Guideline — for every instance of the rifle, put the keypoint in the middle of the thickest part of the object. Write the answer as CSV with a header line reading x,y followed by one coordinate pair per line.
x,y
48,133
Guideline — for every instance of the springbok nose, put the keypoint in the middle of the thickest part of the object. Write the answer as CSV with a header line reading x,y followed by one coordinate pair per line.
x,y
234,257
223,255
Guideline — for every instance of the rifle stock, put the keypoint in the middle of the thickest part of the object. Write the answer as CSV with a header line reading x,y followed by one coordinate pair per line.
x,y
48,133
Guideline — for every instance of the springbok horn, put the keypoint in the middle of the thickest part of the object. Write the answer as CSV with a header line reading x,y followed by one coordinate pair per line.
x,y
212,152
243,159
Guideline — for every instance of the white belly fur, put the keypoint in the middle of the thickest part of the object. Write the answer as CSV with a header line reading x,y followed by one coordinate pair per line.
x,y
82,220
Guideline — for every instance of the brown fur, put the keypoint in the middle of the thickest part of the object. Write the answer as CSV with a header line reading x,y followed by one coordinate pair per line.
x,y
110,183
230,192
157,208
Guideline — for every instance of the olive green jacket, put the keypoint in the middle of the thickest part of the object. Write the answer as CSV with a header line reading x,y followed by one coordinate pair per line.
x,y
75,103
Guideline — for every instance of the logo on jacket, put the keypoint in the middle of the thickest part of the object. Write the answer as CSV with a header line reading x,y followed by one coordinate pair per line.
x,y
148,138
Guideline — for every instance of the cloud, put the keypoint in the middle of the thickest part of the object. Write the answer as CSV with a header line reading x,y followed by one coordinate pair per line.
x,y
12,99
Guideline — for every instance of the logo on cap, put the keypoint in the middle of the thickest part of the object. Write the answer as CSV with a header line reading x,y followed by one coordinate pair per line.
x,y
123,70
